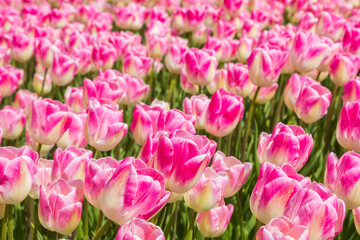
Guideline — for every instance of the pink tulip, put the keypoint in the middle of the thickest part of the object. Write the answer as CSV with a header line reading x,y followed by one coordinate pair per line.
x,y
74,98
84,59
38,84
208,191
245,47
308,22
157,46
176,119
137,66
282,228
135,90
133,191
225,29
331,25
265,93
175,58
356,215
130,17
265,66
18,167
182,158
44,52
351,40
313,102
307,52
352,90
5,55
42,177
333,50
63,69
200,35
193,19
214,222
12,122
200,66
215,44
341,177
10,78
317,208
34,145
104,128
60,205
186,85
344,67
98,172
238,79
274,188
161,104
22,47
347,129
197,106
236,171
220,81
224,113
103,56
47,120
140,229
287,144
234,7
2,210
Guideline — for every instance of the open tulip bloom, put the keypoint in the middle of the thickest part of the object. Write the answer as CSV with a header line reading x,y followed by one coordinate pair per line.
x,y
180,119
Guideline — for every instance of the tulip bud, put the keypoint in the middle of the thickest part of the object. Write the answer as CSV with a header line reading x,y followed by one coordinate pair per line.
x,y
135,90
175,58
224,113
157,46
63,69
74,98
44,52
137,66
10,78
22,47
331,25
130,17
34,145
225,29
245,47
197,107
103,56
186,85
265,94
352,90
5,55
238,79
343,68
351,40
42,177
140,229
84,59
38,84
12,122
220,81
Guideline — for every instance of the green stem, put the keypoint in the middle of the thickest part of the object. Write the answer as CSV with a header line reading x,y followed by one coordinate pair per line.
x,y
239,197
290,117
219,143
43,83
31,219
169,224
9,210
318,76
99,222
278,109
39,148
228,148
329,117
86,218
175,218
171,90
248,125
238,139
189,233
102,230
54,92
4,225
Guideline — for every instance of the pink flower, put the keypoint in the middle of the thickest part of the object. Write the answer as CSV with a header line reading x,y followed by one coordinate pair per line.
x,y
220,81
351,40
38,84
157,45
34,145
234,7
130,17
47,120
84,59
63,69
140,229
45,51
317,208
344,67
287,144
265,93
313,102
352,90
74,98
208,191
274,188
238,79
5,55
200,35
331,25
135,90
42,177
197,106
12,122
225,29
175,58
103,56
265,66
186,85
356,215
10,78
104,128
282,228
134,190
236,171
200,66
22,47
98,172
348,126
137,66
245,47
60,205
224,113
18,167
214,222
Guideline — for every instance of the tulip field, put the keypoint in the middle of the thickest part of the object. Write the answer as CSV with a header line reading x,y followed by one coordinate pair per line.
x,y
180,119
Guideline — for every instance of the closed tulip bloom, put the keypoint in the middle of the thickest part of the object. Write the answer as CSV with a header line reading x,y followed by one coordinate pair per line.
x,y
140,229
38,84
98,172
12,122
224,113
42,177
225,29
333,49
234,8
84,59
215,44
135,90
44,52
200,66
236,171
351,40
347,129
265,93
214,222
287,144
157,45
134,190
352,90
220,81
344,67
130,17
197,106
182,158
186,85
175,58
104,128
356,215
238,79
63,69
342,178
47,121
176,119
74,98
10,78
22,47
18,169
312,103
60,205
317,208
245,47
331,25
137,66
103,56
293,88
34,145
208,191
5,55
274,188
282,228
307,52
265,66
